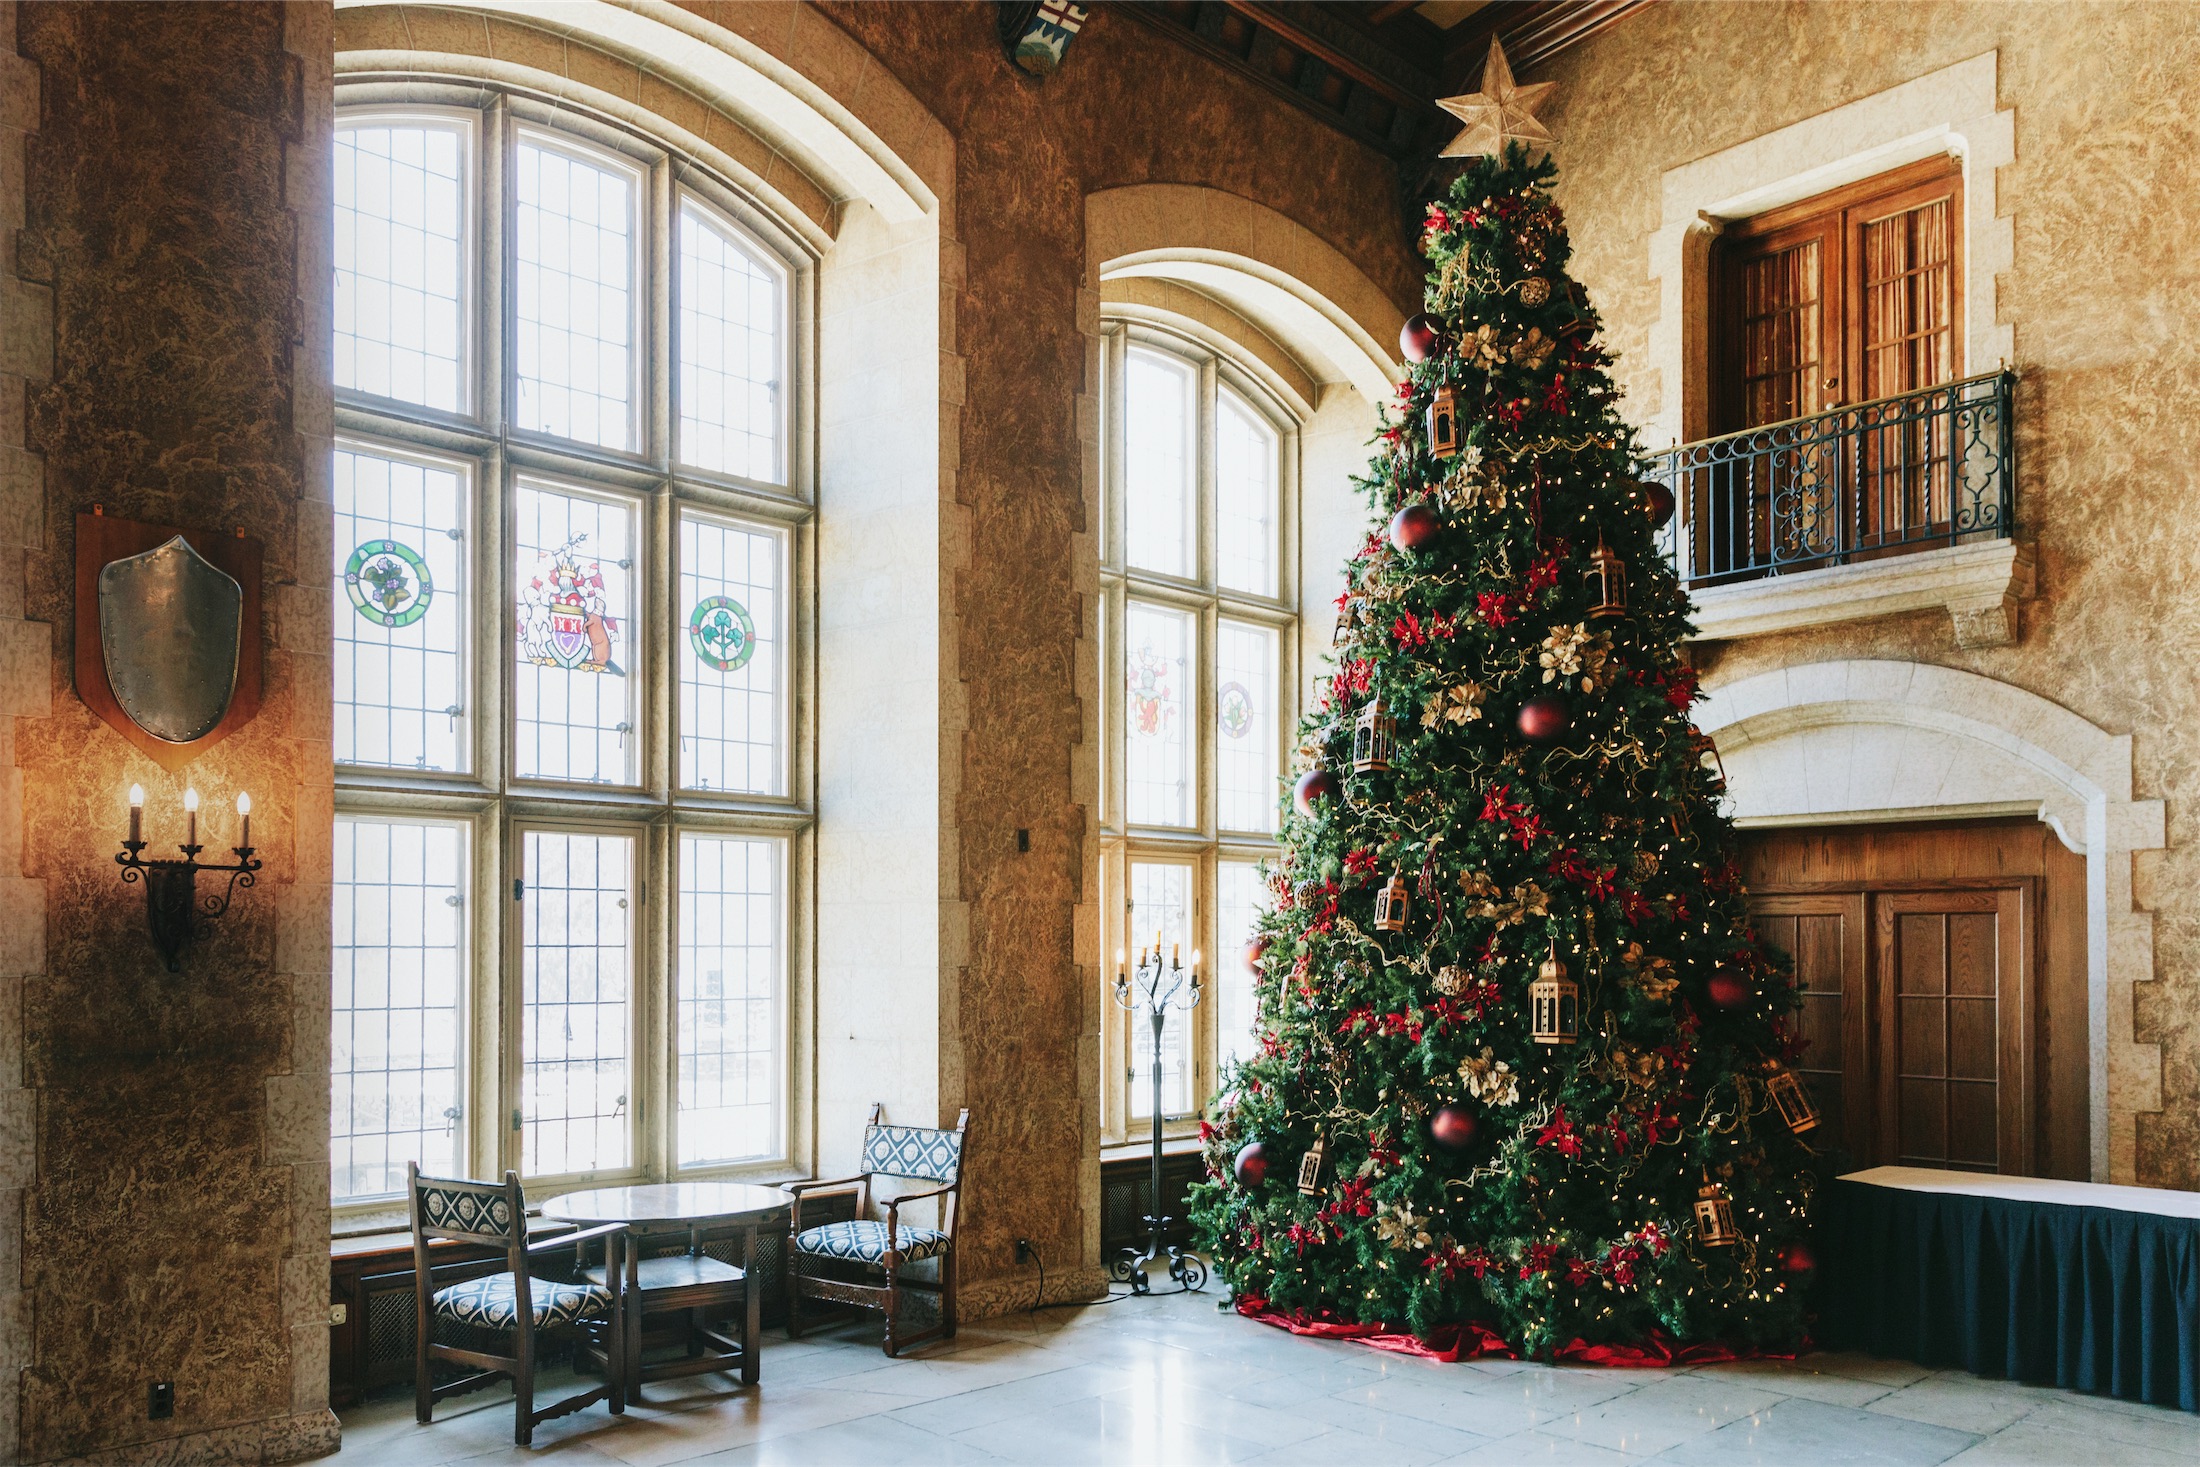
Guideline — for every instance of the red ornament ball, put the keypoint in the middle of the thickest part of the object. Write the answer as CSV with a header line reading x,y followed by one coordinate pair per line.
x,y
1542,718
1314,785
1727,989
1420,338
1251,1166
1255,951
1453,1127
1658,500
1796,1258
1414,526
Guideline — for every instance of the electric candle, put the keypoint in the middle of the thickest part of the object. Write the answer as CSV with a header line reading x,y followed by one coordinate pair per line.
x,y
137,813
244,814
190,817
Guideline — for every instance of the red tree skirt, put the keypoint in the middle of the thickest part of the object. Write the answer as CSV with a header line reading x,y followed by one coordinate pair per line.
x,y
1472,1340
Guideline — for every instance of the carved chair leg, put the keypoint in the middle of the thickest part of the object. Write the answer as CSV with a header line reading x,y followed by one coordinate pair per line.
x,y
893,1310
523,1393
423,1374
794,1292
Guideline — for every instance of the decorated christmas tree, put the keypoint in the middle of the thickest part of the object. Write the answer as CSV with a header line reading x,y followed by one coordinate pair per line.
x,y
1522,1058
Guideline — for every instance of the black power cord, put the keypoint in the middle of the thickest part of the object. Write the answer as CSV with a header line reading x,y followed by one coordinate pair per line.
x,y
1036,1305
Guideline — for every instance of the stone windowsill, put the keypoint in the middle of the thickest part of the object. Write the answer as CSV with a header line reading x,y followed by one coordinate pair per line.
x,y
1979,584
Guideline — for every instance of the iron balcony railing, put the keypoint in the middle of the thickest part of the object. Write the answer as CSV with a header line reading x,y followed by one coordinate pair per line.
x,y
1914,472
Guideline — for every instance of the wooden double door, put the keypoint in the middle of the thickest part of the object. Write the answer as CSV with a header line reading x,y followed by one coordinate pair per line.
x,y
1942,974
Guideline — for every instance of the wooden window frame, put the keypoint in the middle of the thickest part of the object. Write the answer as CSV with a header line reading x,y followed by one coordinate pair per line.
x,y
1202,842
652,810
1834,219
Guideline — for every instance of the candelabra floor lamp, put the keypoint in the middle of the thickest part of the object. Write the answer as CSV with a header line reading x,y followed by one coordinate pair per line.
x,y
1159,988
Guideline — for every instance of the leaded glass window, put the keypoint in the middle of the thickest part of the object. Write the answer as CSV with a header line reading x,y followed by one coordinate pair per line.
x,y
398,960
573,685
730,997
568,495
401,245
731,650
1200,641
401,609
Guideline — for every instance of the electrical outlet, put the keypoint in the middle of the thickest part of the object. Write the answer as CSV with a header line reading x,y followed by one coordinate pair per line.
x,y
1023,1250
160,1400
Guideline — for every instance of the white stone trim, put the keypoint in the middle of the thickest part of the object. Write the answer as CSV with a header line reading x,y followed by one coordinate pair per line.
x,y
765,94
1979,584
1880,740
1953,110
1269,269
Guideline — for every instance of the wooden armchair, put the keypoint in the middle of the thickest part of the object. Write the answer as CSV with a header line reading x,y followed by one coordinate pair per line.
x,y
513,1302
882,1243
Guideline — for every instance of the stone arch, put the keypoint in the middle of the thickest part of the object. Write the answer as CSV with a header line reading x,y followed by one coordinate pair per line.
x,y
869,140
1294,287
1861,740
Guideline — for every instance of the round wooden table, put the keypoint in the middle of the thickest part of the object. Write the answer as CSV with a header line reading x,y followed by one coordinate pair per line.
x,y
693,1286
662,1206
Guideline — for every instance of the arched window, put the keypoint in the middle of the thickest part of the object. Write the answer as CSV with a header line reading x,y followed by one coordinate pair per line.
x,y
570,491
1201,616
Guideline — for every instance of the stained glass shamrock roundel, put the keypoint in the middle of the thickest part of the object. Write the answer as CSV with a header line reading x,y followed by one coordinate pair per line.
x,y
720,631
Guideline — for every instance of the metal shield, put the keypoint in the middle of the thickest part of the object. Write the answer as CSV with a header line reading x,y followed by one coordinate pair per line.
x,y
170,625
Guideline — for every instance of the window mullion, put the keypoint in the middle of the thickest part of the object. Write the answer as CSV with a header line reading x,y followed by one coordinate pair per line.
x,y
660,342
492,306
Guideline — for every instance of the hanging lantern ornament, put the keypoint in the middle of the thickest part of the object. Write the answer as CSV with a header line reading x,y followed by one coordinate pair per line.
x,y
1706,750
1715,1216
1443,423
1554,1003
1310,1170
1374,737
1392,904
1607,575
1789,1097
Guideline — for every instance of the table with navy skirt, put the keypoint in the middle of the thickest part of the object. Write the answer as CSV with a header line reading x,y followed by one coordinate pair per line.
x,y
2088,1287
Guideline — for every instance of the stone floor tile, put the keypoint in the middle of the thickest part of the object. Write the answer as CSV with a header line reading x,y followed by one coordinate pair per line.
x,y
1799,1378
1963,1402
1541,1449
874,1441
2126,1423
2029,1444
1661,1415
1015,1398
1808,1432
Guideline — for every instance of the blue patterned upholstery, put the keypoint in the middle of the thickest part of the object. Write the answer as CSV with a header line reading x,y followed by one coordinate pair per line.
x,y
482,1209
488,1302
865,1242
908,1151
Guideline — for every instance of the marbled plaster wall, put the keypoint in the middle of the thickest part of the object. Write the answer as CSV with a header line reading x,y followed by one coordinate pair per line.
x,y
2102,199
174,237
1022,1007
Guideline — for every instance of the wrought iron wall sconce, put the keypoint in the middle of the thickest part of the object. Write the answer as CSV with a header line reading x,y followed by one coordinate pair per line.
x,y
173,907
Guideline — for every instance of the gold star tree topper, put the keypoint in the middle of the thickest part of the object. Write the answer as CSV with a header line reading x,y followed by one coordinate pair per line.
x,y
1498,114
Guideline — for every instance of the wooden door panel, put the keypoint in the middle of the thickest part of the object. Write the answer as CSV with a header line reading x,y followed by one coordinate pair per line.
x,y
1824,934
1954,984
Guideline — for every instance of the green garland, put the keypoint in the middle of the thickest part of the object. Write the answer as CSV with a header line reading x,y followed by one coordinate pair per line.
x,y
1569,1215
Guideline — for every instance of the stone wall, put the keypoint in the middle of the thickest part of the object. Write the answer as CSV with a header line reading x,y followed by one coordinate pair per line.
x,y
165,189
2098,206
